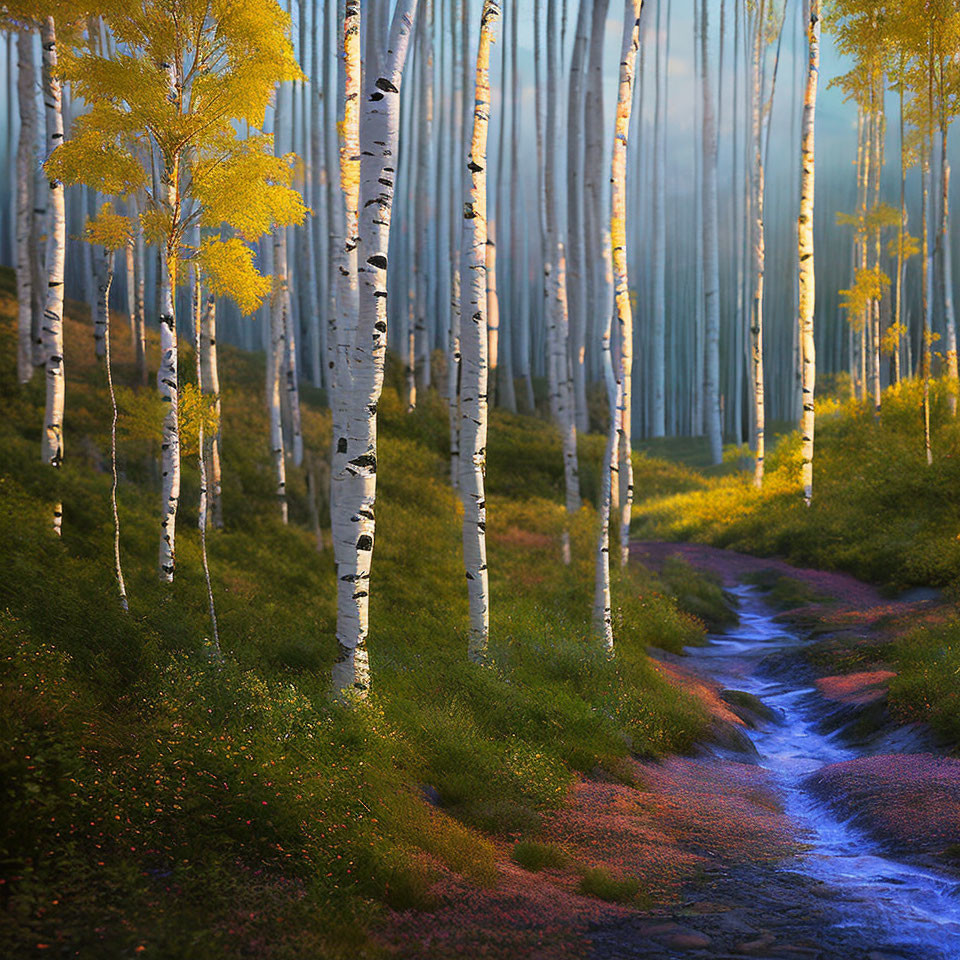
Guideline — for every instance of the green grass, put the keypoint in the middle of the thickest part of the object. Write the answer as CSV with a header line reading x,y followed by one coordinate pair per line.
x,y
156,798
534,856
599,882
879,511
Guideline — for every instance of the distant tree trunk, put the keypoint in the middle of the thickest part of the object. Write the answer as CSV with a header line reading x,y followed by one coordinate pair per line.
x,y
52,331
141,283
356,445
422,327
901,227
453,331
927,253
711,253
211,387
805,253
946,272
473,345
575,201
276,358
26,100
658,359
493,315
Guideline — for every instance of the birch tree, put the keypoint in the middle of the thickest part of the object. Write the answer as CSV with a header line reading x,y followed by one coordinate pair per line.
x,y
805,252
354,474
26,252
711,264
619,432
170,99
473,349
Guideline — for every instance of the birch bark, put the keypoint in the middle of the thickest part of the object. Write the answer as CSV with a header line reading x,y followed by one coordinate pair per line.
x,y
211,386
756,313
26,101
356,444
52,327
805,253
473,345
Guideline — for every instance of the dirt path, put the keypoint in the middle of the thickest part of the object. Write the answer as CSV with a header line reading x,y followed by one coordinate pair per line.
x,y
707,837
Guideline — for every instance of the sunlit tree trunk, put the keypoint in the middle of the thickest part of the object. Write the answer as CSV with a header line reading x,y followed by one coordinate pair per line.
x,y
493,313
52,329
26,100
711,266
946,272
805,253
901,227
343,332
927,253
618,247
422,331
356,444
473,346
756,313
211,387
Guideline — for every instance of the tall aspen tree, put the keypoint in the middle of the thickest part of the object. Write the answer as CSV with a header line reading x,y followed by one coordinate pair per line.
x,y
711,265
473,346
617,392
354,477
805,252
26,100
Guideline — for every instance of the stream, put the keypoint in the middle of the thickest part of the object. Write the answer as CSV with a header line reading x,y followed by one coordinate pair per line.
x,y
913,910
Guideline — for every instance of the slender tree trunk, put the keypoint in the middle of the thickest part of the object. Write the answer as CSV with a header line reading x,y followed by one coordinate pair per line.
x,y
276,360
805,253
453,330
575,200
473,345
901,228
211,387
118,568
618,241
946,272
658,360
343,333
52,330
420,355
356,445
756,317
711,253
927,252
493,314
198,350
26,100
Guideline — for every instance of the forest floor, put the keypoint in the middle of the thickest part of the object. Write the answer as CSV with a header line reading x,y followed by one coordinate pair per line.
x,y
707,835
158,804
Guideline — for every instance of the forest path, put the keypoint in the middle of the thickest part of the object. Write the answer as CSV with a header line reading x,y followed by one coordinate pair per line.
x,y
736,847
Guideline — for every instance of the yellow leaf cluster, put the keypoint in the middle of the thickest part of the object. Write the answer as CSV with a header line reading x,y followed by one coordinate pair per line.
x,y
227,266
108,229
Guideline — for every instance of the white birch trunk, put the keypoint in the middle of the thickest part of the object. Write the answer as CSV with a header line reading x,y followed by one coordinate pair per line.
x,y
711,265
355,481
493,312
808,357
52,329
473,345
658,360
756,313
277,361
946,274
211,386
26,100
618,242
167,381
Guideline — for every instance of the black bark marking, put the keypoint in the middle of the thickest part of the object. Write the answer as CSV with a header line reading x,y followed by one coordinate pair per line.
x,y
384,84
378,260
342,445
365,542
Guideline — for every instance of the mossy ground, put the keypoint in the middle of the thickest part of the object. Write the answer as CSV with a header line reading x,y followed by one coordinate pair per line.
x,y
159,803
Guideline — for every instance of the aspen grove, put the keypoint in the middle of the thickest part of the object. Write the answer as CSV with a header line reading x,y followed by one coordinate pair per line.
x,y
437,278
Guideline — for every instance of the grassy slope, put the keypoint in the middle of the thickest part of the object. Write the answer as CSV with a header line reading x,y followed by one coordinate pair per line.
x,y
879,512
154,799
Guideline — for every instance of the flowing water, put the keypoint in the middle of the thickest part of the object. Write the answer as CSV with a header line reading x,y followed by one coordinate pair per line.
x,y
914,909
